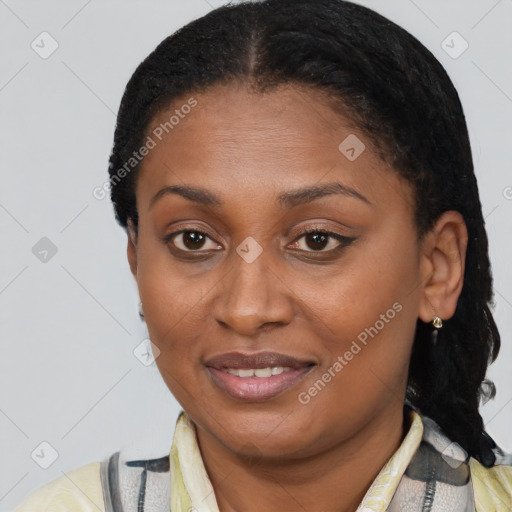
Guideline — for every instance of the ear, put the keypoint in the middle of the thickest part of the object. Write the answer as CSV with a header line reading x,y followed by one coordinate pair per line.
x,y
443,263
131,249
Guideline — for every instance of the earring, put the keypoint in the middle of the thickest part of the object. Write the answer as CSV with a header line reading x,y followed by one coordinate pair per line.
x,y
141,313
437,323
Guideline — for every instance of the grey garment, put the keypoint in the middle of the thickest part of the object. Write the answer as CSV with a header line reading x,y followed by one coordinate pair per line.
x,y
136,485
437,479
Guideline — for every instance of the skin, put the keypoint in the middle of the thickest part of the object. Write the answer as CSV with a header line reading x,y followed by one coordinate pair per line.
x,y
281,455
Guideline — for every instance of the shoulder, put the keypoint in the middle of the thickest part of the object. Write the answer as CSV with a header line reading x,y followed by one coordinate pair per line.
x,y
79,490
492,486
116,483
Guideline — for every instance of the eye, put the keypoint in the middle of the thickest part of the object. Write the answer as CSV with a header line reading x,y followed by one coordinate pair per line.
x,y
318,239
190,240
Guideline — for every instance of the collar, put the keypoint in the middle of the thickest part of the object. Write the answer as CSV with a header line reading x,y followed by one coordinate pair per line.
x,y
192,491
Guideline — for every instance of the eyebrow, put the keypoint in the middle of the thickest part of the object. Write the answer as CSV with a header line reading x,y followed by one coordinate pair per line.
x,y
288,199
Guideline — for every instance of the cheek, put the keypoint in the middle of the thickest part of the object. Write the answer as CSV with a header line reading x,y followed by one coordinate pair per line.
x,y
171,308
368,317
168,297
365,286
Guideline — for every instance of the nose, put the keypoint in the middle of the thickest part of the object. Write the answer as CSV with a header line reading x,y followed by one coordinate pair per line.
x,y
254,295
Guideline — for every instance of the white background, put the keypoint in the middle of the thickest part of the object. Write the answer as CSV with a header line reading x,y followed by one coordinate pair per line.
x,y
69,326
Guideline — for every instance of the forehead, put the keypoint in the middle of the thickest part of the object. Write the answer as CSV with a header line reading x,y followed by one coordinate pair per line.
x,y
233,138
233,112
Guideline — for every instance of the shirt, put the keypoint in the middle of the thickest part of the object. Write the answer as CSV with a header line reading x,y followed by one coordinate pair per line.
x,y
81,490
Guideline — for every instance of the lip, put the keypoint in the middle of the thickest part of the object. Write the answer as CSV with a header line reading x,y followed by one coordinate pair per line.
x,y
240,360
256,389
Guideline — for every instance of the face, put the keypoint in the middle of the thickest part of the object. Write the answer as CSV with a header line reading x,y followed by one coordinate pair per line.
x,y
283,318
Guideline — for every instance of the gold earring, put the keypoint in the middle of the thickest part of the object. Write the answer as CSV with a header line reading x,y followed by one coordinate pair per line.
x,y
437,322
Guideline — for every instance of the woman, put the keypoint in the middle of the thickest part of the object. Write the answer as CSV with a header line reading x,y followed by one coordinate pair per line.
x,y
304,226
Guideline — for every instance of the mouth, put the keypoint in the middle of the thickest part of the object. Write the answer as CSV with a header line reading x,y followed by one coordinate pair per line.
x,y
257,377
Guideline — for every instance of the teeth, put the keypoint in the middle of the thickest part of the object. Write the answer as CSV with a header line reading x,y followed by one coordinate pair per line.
x,y
263,372
257,372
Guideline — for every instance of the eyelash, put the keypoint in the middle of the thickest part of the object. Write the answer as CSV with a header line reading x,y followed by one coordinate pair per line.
x,y
344,240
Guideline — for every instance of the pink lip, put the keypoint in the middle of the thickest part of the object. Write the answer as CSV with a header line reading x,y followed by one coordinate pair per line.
x,y
256,389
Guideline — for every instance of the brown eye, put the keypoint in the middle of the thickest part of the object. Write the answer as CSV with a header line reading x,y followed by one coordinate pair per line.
x,y
190,241
316,240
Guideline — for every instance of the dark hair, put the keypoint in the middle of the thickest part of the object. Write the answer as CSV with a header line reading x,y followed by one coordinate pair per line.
x,y
398,94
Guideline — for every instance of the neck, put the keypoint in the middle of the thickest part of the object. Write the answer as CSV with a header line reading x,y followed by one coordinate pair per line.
x,y
335,480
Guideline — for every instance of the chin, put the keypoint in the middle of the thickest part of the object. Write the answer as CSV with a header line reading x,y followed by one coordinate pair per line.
x,y
263,435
